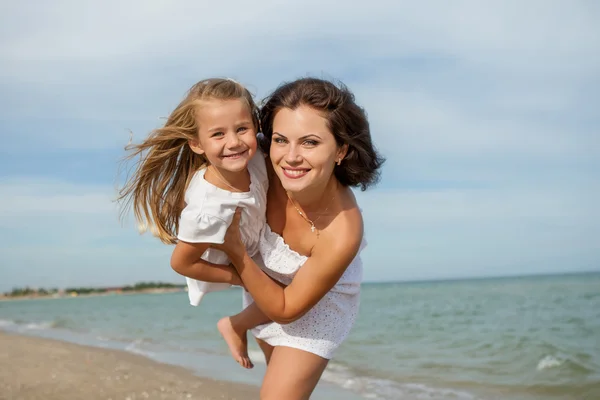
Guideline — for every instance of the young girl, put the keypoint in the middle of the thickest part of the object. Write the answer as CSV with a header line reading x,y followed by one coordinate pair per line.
x,y
192,175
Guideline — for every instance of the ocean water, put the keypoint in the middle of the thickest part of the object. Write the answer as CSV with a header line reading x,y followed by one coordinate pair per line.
x,y
528,338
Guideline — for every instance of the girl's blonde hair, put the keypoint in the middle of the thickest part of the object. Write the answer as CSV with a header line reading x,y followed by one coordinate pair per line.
x,y
166,163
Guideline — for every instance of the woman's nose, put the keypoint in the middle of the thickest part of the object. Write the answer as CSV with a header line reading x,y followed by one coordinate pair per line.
x,y
293,155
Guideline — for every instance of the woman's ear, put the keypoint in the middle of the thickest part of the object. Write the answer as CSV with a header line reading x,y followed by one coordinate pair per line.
x,y
195,146
342,151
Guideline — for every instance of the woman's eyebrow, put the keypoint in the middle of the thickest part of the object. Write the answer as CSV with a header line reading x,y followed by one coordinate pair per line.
x,y
300,138
310,135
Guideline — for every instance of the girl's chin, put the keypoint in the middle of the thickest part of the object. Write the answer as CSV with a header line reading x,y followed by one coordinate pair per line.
x,y
234,165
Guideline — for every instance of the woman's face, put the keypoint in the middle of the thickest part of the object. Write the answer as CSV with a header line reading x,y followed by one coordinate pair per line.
x,y
303,149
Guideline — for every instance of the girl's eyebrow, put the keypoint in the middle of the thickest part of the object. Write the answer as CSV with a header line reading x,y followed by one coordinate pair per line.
x,y
217,128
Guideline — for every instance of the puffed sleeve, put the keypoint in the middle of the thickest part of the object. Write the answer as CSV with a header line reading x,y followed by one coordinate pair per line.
x,y
198,227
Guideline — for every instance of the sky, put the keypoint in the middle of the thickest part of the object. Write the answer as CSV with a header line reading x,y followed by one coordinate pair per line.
x,y
487,113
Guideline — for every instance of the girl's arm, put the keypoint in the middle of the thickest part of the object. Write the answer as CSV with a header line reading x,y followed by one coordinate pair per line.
x,y
329,259
186,260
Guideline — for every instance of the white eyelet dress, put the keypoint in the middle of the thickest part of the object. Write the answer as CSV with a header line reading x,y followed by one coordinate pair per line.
x,y
209,212
323,328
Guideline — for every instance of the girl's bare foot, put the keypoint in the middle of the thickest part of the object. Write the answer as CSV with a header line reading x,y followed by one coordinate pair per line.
x,y
237,342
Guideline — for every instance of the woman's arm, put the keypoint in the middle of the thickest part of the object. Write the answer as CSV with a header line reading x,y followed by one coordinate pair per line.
x,y
186,260
328,261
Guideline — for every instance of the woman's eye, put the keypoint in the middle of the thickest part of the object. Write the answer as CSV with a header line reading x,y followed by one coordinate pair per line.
x,y
311,142
279,140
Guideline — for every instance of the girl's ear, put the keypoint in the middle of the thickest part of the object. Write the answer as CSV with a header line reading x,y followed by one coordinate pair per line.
x,y
195,146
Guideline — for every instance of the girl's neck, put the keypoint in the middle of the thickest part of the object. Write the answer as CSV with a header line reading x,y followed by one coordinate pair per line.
x,y
232,181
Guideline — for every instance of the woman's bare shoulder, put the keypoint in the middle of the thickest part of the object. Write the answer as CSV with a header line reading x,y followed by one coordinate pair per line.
x,y
350,215
345,232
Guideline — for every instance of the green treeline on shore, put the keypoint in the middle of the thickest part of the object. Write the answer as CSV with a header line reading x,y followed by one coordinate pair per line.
x,y
74,291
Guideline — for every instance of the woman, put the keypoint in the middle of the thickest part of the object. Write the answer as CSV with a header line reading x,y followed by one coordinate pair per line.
x,y
319,145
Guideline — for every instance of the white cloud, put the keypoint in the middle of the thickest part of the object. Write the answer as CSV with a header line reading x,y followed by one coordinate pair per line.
x,y
133,61
26,197
419,123
64,41
458,233
497,96
467,205
67,234
87,30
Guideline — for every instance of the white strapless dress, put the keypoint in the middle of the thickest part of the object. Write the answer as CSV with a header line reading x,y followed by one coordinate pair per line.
x,y
322,329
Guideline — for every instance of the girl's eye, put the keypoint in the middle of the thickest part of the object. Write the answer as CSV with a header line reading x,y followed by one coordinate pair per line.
x,y
242,129
217,134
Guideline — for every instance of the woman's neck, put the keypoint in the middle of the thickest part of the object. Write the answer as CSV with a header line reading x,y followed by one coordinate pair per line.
x,y
317,198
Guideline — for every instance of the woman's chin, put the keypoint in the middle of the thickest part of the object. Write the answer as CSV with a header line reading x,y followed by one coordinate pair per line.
x,y
294,185
293,188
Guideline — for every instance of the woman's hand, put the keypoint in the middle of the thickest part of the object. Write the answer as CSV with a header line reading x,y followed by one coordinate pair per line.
x,y
233,246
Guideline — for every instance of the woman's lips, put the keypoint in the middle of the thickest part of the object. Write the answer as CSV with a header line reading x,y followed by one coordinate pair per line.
x,y
294,173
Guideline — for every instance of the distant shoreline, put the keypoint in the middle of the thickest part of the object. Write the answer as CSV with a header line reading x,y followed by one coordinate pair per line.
x,y
96,294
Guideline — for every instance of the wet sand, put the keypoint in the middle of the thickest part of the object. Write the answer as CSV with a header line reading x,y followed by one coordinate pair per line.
x,y
43,369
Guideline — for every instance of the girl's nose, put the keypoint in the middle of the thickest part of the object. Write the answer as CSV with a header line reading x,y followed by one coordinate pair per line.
x,y
233,140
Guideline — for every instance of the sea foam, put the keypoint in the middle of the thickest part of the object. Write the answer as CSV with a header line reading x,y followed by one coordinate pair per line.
x,y
549,362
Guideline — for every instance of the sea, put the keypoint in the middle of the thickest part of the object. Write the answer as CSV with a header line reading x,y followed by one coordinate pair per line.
x,y
524,338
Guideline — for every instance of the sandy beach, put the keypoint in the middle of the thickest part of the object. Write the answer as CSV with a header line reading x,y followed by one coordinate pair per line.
x,y
43,369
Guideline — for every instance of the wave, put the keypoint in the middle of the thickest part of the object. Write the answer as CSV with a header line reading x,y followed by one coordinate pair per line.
x,y
135,347
5,323
37,325
65,323
384,389
549,362
21,325
376,388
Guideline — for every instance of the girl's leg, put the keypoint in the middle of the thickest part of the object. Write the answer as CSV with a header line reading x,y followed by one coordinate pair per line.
x,y
292,374
234,328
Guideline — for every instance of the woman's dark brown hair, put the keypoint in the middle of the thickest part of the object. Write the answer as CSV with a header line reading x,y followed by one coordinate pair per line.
x,y
346,120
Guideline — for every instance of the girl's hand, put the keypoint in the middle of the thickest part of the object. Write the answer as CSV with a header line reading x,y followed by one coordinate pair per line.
x,y
233,246
236,279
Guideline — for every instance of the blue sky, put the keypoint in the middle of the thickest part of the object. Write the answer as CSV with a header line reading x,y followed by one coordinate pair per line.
x,y
487,114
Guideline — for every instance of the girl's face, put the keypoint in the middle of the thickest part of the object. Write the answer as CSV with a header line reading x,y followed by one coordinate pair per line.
x,y
303,149
226,134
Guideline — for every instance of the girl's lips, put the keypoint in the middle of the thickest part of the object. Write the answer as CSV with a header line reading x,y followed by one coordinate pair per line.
x,y
236,155
294,173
